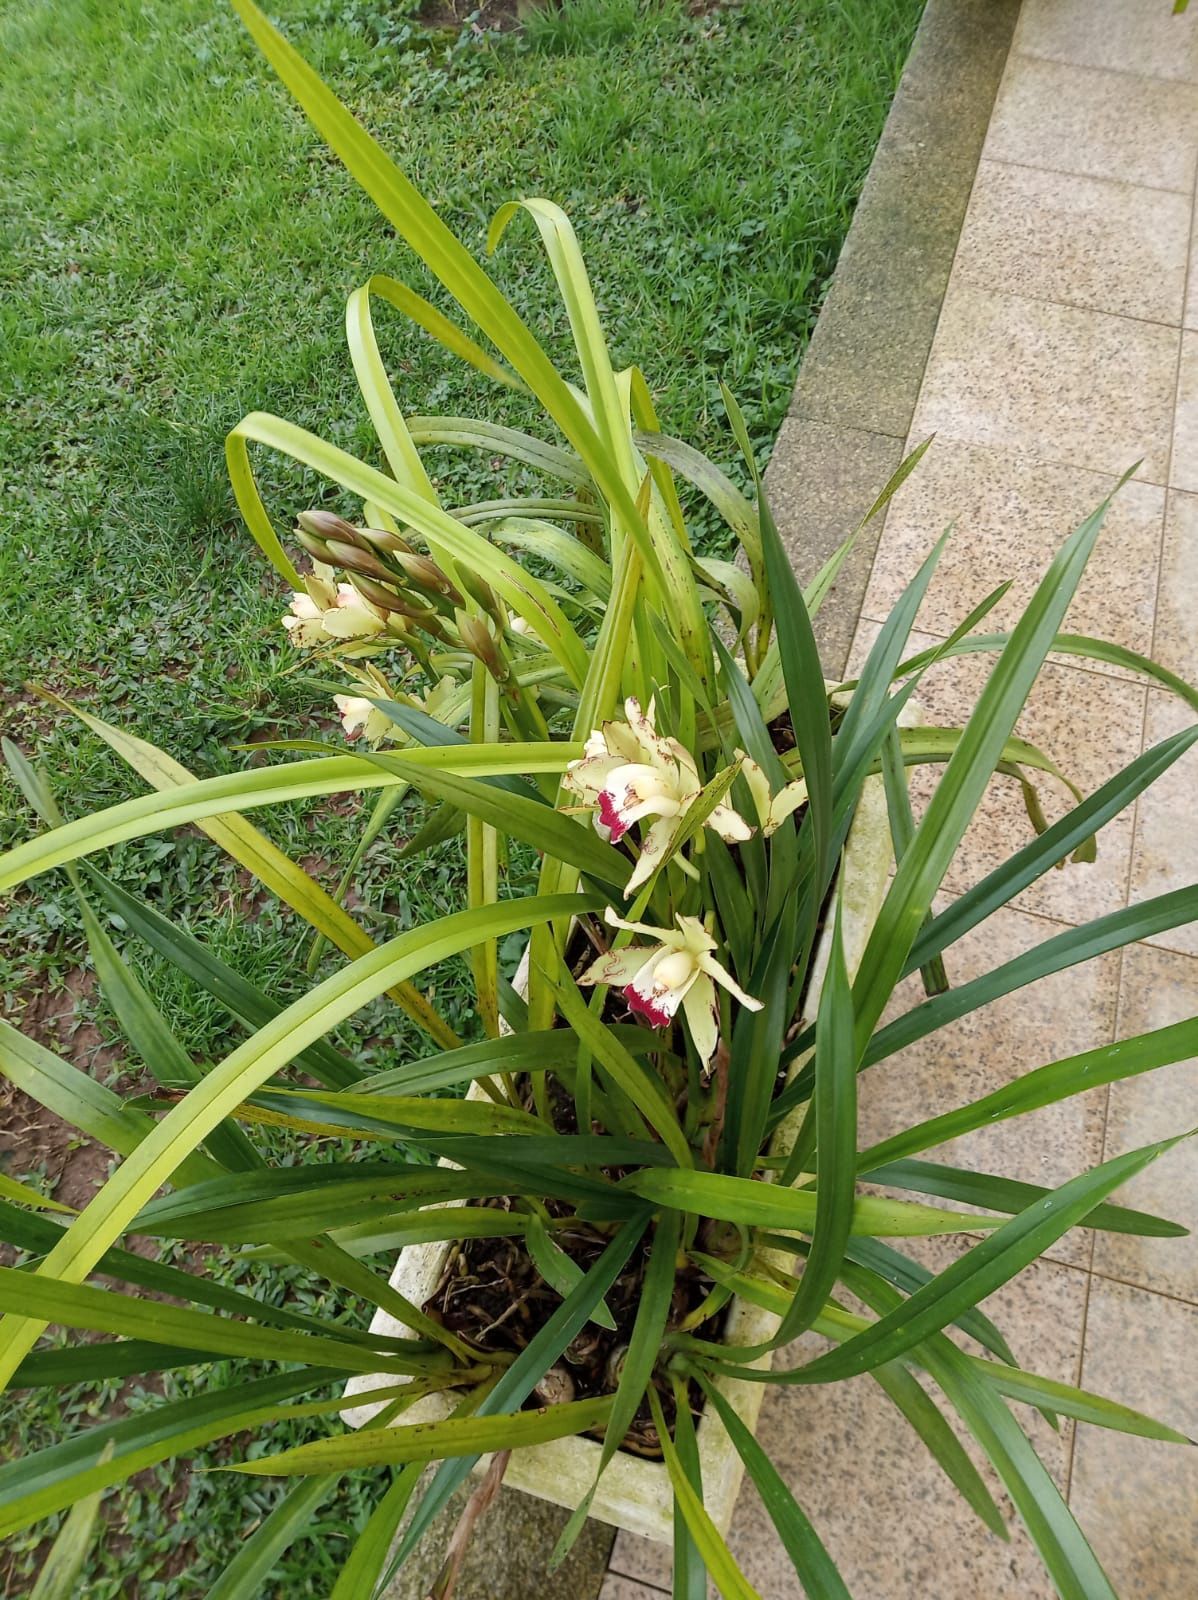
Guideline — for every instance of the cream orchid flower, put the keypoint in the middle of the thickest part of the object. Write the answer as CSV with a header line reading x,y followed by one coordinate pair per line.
x,y
628,771
352,617
678,969
360,717
305,624
328,610
772,809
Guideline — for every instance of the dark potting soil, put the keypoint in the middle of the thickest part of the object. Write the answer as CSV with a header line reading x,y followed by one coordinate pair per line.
x,y
491,1295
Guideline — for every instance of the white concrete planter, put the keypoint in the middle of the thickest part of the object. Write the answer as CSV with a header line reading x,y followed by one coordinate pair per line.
x,y
635,1493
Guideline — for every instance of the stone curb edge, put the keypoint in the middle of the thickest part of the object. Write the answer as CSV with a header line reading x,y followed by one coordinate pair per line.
x,y
860,377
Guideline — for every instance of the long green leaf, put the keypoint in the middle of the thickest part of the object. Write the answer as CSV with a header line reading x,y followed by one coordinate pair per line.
x,y
240,997
518,1382
363,1567
835,1111
1064,950
268,786
1078,824
1045,1086
434,1441
997,1193
813,1565
290,1520
717,1558
743,1200
61,1568
984,1268
963,783
107,1311
160,1152
45,1481
1071,1563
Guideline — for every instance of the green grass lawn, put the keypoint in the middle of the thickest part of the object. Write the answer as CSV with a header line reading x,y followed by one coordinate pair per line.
x,y
175,250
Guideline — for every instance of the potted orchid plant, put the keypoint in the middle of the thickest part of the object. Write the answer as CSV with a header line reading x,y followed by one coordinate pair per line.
x,y
642,1177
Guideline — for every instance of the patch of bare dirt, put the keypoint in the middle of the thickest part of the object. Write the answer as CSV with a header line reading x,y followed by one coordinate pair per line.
x,y
33,1140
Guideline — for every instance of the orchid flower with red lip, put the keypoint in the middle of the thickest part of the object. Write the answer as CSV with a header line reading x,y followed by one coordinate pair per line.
x,y
628,771
676,970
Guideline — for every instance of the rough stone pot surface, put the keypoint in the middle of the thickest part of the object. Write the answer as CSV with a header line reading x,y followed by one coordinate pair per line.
x,y
635,1493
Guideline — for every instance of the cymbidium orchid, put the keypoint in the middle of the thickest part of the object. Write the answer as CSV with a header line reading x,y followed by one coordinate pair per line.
x,y
629,771
328,610
360,717
677,969
772,809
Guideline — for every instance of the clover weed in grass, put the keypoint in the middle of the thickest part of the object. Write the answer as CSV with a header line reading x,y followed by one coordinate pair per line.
x,y
174,253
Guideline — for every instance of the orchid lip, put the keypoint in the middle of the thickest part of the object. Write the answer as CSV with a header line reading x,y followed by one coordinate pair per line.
x,y
610,817
647,1008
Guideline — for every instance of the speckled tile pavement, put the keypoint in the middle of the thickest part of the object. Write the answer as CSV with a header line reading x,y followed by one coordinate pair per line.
x,y
1048,357
1056,360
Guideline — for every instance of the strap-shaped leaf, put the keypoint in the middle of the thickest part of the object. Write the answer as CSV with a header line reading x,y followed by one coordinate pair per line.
x,y
835,1114
240,997
999,1193
1080,823
717,1558
61,1568
272,866
813,1565
639,1361
769,1205
263,786
1070,1562
472,433
964,781
1064,950
155,1158
364,1565
519,1380
290,1520
455,1437
107,1311
984,1268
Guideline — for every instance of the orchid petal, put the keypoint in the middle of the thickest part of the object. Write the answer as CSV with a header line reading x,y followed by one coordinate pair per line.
x,y
729,824
618,967
655,843
721,974
783,803
702,1016
661,935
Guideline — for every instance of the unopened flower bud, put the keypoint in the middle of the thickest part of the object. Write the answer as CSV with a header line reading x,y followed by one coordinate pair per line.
x,y
327,525
388,599
354,559
479,589
314,546
476,637
384,539
427,575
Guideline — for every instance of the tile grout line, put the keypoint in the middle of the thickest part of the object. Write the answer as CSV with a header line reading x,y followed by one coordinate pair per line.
x,y
1088,177
1142,1288
1112,72
1057,658
1051,461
